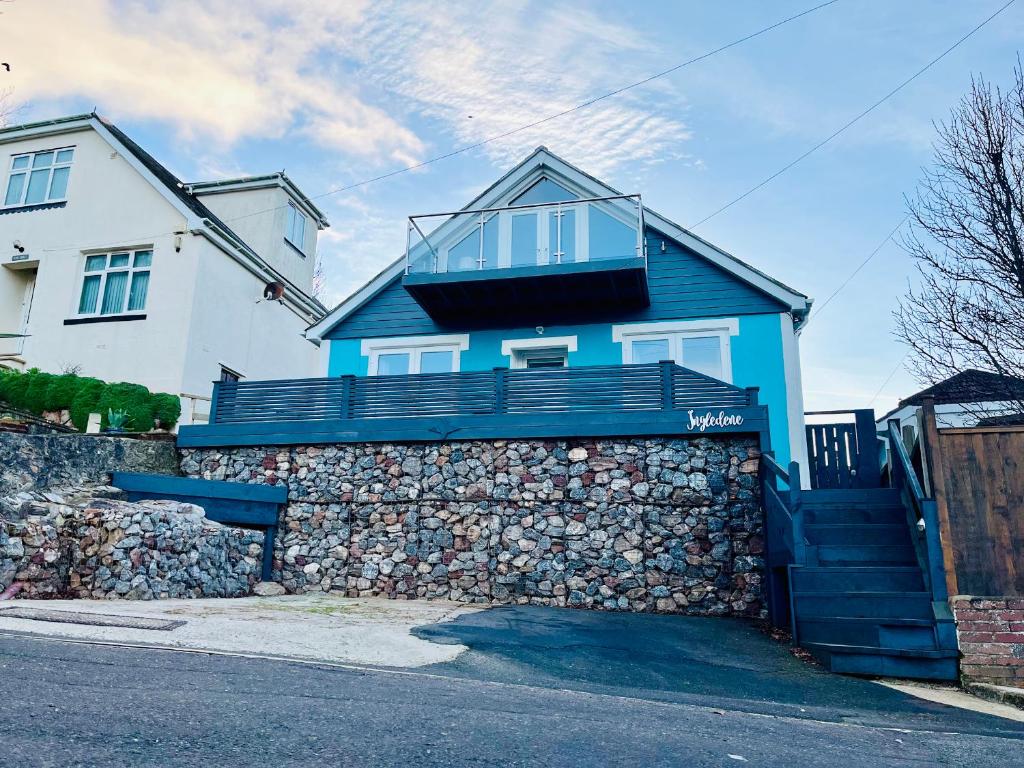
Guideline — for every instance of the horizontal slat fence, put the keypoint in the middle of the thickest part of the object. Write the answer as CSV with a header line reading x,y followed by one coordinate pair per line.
x,y
649,387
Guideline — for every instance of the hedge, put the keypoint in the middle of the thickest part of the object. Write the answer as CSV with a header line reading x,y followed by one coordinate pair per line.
x,y
37,391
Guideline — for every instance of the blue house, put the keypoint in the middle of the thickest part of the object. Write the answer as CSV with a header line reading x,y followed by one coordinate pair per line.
x,y
550,267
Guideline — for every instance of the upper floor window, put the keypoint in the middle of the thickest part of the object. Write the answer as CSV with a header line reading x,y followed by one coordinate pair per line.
x,y
295,227
115,283
39,177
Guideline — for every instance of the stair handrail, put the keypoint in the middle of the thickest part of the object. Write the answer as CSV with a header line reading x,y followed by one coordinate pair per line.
x,y
904,479
789,500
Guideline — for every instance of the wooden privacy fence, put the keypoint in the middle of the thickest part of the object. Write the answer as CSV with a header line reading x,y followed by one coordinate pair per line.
x,y
649,387
977,479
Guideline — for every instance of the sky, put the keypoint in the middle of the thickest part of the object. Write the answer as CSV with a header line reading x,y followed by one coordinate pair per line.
x,y
339,91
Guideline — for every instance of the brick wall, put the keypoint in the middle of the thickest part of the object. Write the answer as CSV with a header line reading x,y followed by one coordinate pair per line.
x,y
991,635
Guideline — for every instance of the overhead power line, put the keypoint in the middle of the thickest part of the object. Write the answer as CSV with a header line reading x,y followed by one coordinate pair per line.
x,y
582,105
543,120
817,310
855,120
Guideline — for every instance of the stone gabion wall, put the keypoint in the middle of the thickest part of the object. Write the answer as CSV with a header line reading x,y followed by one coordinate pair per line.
x,y
109,548
990,631
35,462
668,525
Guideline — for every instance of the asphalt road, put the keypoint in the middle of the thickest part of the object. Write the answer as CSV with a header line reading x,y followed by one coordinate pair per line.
x,y
64,704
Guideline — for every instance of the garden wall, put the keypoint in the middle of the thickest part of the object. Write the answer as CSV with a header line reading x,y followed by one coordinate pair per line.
x,y
55,545
668,525
990,631
38,461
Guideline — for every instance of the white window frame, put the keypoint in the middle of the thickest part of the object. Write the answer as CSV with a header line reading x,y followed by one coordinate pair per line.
x,y
414,346
513,348
11,171
546,250
131,269
293,210
675,332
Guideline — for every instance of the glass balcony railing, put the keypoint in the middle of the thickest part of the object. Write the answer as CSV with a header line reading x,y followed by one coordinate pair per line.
x,y
532,235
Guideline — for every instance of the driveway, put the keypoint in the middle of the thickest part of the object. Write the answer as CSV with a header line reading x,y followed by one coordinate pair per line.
x,y
730,664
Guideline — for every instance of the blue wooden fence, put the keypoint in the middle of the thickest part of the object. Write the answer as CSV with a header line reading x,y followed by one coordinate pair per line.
x,y
592,401
650,387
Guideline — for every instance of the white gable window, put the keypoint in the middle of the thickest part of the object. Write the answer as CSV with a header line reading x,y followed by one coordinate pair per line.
x,y
115,283
701,345
295,227
39,177
403,355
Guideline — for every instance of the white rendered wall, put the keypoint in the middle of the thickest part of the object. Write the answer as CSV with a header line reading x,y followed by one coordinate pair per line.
x,y
110,206
232,327
258,216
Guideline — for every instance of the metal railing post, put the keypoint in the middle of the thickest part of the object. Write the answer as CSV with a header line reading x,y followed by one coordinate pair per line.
x,y
500,395
668,400
347,386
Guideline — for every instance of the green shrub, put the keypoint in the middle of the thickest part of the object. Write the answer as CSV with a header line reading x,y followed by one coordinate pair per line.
x,y
17,389
166,408
133,398
61,392
35,394
86,401
7,379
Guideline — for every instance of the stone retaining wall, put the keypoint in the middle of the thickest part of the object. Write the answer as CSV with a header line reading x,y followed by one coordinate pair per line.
x,y
990,631
30,462
101,547
644,524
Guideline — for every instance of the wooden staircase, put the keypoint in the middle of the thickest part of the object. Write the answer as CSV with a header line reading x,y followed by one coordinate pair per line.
x,y
855,569
860,601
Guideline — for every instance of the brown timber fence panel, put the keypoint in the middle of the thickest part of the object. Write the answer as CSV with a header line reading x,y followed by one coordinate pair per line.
x,y
978,482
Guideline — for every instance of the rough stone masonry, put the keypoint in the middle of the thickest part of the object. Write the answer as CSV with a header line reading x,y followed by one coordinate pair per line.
x,y
670,525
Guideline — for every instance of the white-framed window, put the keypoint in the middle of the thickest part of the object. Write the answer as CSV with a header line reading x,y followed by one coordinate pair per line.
x,y
39,177
295,227
539,352
399,356
701,345
115,283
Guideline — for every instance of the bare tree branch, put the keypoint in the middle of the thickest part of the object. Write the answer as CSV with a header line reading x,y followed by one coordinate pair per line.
x,y
967,239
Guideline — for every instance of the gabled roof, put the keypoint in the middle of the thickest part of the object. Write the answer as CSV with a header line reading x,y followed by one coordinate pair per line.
x,y
198,216
970,386
542,159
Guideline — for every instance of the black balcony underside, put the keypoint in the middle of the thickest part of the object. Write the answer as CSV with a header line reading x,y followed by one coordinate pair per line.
x,y
534,295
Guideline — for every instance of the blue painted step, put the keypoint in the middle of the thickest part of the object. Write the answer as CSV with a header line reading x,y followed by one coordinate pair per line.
x,y
921,664
869,578
898,605
862,554
892,632
857,533
854,513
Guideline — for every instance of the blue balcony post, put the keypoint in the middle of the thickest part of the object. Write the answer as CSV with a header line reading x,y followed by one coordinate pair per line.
x,y
752,395
668,400
499,390
348,384
213,402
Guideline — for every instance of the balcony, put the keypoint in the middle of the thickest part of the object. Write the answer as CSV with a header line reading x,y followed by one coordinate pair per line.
x,y
593,401
529,264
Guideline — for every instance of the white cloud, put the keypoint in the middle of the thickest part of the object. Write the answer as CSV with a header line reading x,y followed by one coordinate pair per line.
x,y
483,69
215,70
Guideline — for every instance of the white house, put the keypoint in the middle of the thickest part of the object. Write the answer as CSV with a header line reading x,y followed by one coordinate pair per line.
x,y
114,267
968,399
